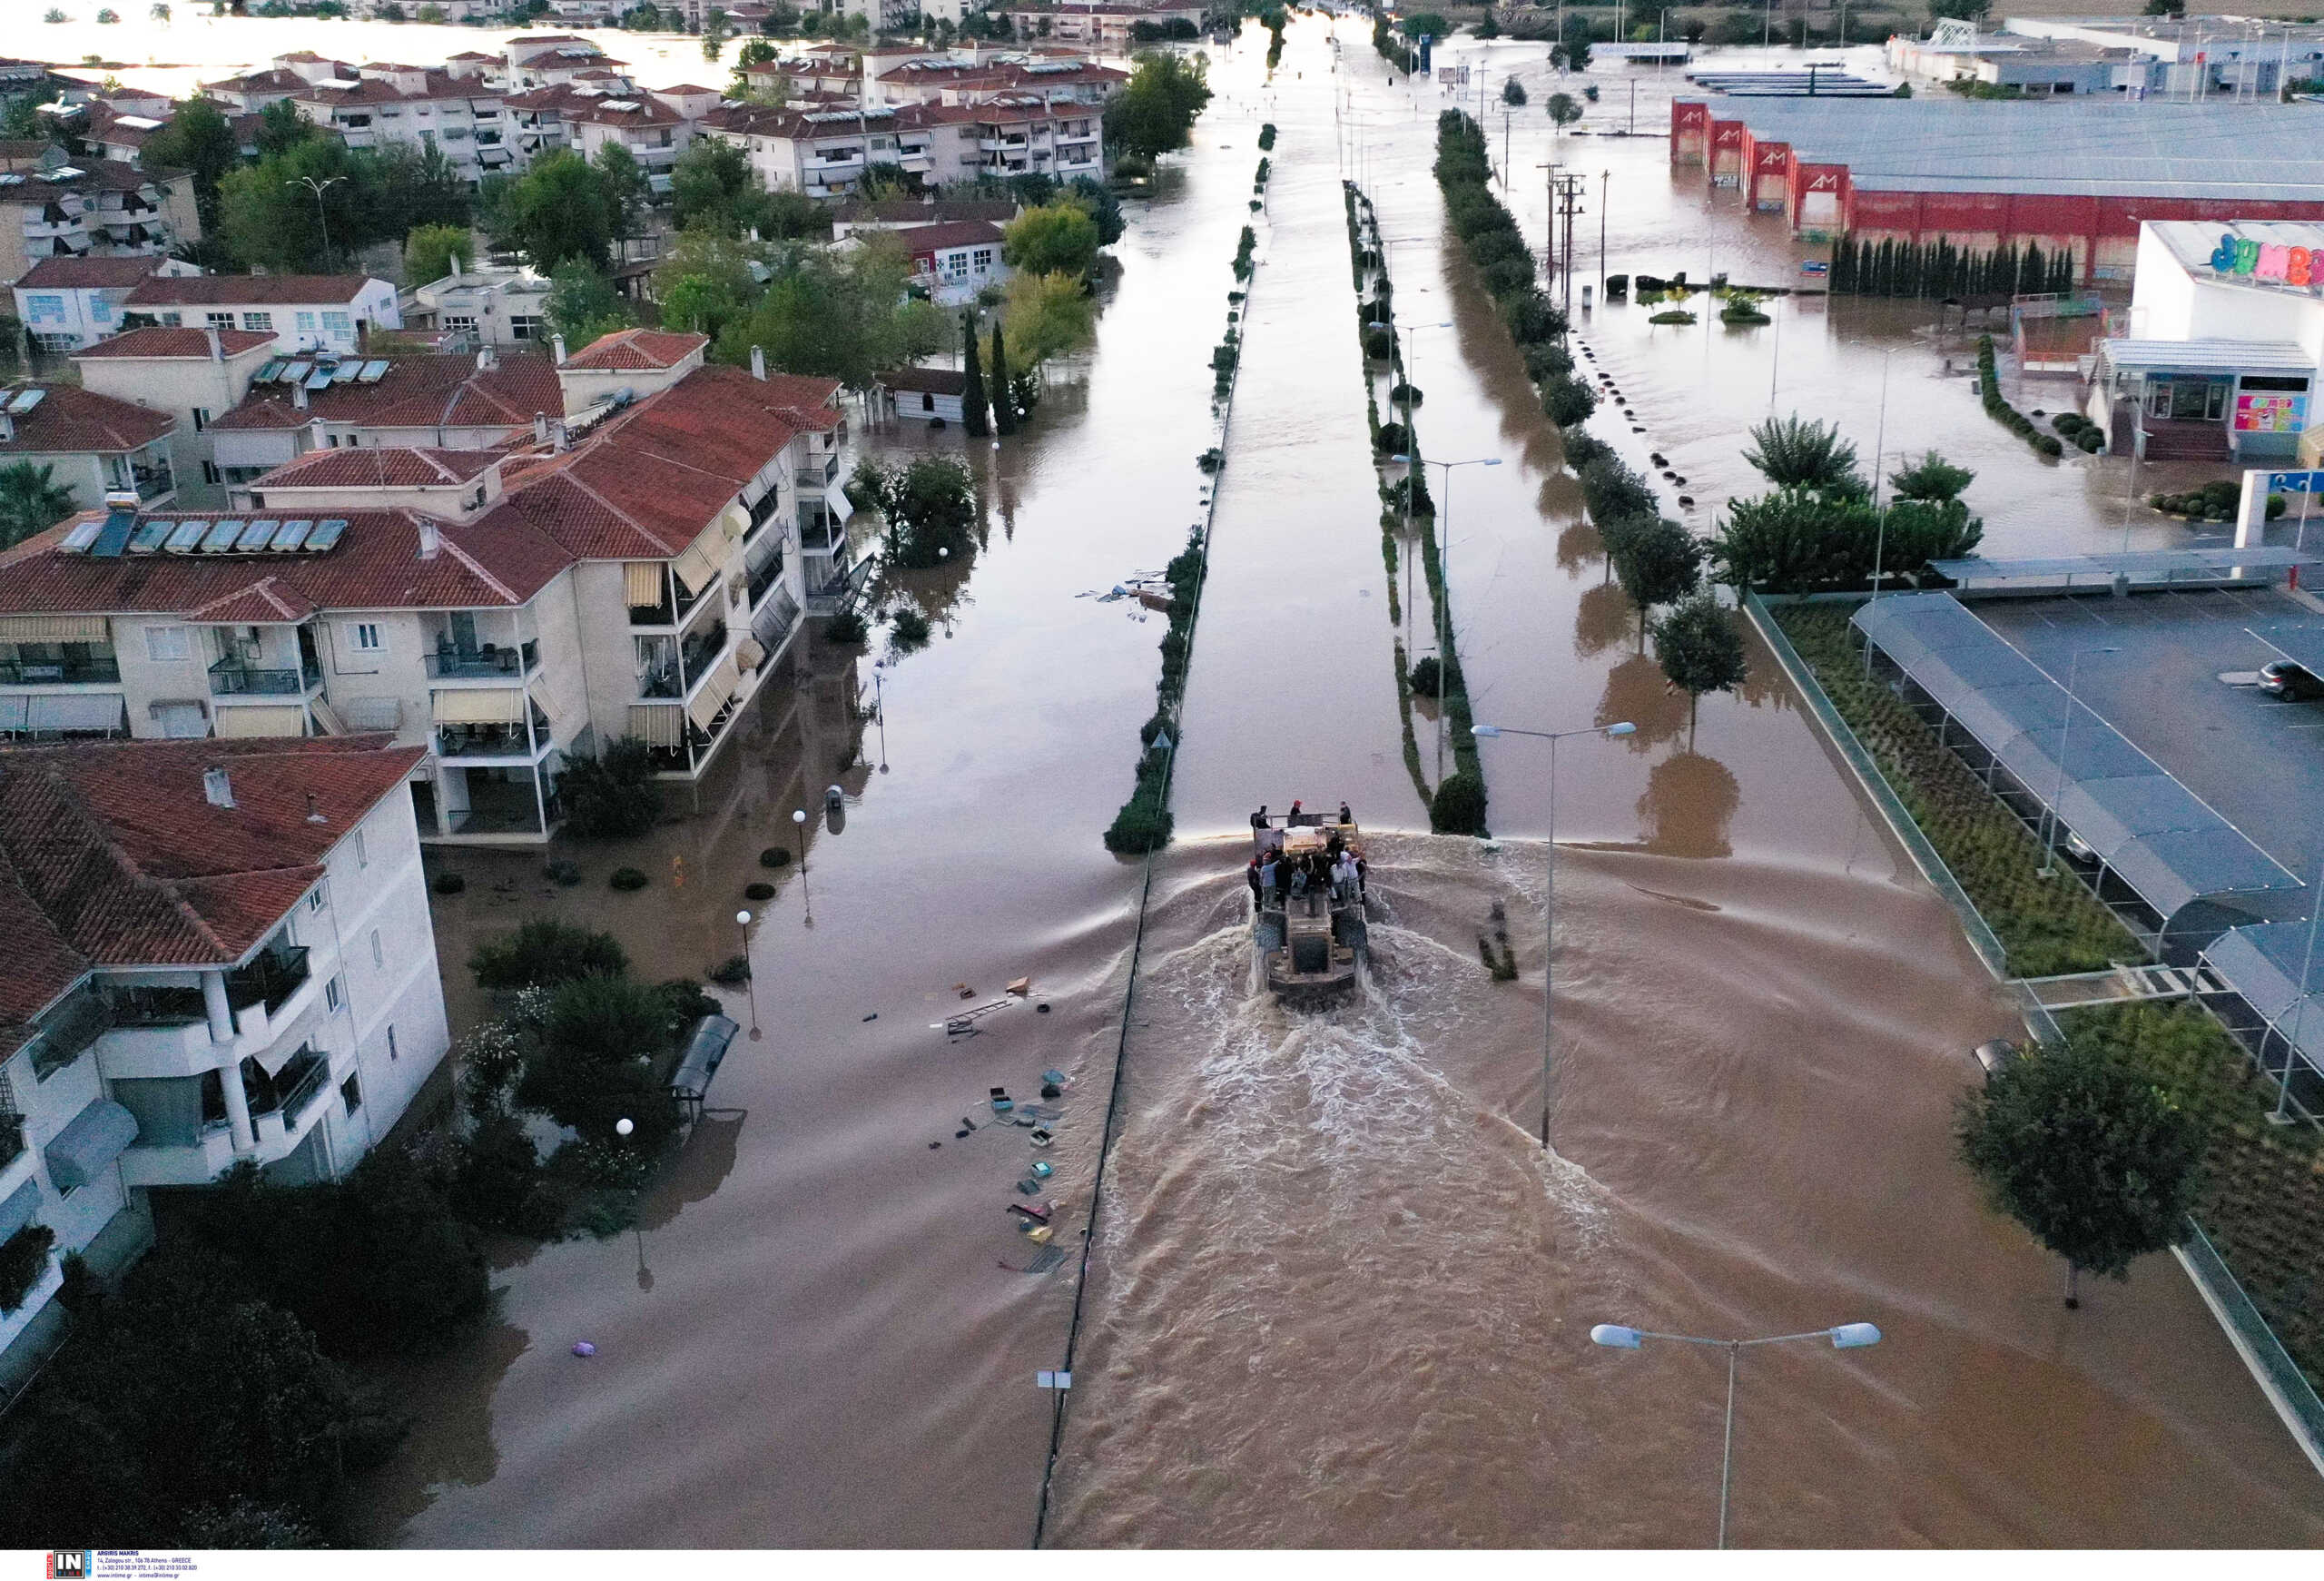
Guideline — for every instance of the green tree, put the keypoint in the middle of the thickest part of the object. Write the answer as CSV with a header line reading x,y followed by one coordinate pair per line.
x,y
583,304
755,52
199,139
1046,316
708,186
1563,109
432,251
714,34
626,192
400,186
31,500
599,1039
269,218
545,950
20,119
2083,1149
930,504
1097,200
1513,93
974,408
557,213
1932,478
1700,649
1794,453
1004,396
837,316
433,15
1425,24
281,128
1958,10
1154,113
1058,239
610,796
1656,560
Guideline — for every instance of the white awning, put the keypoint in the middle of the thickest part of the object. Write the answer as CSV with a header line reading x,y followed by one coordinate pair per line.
x,y
84,1149
54,628
715,692
748,653
479,706
657,726
703,558
265,719
75,711
841,505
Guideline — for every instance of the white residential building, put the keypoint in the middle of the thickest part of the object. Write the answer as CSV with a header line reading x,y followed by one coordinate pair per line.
x,y
304,312
99,206
195,376
218,953
91,444
459,117
633,574
66,304
487,304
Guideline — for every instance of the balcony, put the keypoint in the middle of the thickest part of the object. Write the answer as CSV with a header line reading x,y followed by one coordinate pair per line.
x,y
68,1033
290,1092
765,577
500,742
486,663
12,1137
232,678
269,980
93,669
157,1008
701,650
820,478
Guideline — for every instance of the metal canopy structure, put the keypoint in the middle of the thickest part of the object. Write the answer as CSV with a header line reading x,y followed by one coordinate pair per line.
x,y
2206,356
2147,568
2164,841
2264,962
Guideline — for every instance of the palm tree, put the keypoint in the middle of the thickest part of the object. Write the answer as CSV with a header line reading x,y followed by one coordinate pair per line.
x,y
1795,453
31,500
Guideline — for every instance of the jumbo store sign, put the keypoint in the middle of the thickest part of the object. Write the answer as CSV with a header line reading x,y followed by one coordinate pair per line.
x,y
2249,260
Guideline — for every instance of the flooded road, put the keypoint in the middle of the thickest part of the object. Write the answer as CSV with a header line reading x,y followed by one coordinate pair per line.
x,y
815,1321
1341,1299
1339,1296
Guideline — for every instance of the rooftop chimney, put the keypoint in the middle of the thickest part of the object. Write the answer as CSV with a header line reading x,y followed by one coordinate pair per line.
x,y
559,435
540,427
314,811
430,537
758,363
487,361
217,347
298,395
216,788
557,347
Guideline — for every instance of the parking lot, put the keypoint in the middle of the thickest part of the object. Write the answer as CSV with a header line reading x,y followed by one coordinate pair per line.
x,y
2257,760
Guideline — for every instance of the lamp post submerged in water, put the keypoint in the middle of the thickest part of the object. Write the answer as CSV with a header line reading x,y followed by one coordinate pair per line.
x,y
1621,1336
1550,884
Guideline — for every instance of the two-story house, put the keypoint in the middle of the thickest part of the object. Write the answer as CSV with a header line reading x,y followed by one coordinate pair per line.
x,y
100,207
196,376
91,444
304,312
481,304
220,951
654,128
66,304
422,107
436,400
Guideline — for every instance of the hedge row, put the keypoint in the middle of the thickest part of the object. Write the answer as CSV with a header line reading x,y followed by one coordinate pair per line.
x,y
1941,270
2002,412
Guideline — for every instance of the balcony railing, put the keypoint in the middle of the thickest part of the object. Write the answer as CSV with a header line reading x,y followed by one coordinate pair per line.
x,y
822,476
229,678
454,741
158,1007
298,1082
12,1137
271,980
447,664
765,577
68,1032
17,672
701,648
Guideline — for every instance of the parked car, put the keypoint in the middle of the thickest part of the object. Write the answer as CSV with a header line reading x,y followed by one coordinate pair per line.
x,y
2294,683
1996,1055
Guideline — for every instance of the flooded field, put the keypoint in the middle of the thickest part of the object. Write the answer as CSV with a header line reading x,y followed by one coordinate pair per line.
x,y
1339,1294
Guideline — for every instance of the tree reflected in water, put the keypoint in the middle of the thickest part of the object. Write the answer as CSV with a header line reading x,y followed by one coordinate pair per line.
x,y
1689,802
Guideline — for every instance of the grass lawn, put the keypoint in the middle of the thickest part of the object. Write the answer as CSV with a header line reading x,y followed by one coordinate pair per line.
x,y
2047,925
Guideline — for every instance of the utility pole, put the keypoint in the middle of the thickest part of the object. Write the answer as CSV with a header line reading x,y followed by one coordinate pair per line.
x,y
1605,178
1568,203
1550,236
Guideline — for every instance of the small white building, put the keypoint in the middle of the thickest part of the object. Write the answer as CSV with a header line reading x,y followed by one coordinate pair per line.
x,y
485,304
304,312
91,444
220,953
956,261
930,395
196,376
66,304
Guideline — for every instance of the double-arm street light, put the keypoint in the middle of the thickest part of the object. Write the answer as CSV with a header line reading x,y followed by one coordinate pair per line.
x,y
1619,1337
317,188
1549,882
1443,577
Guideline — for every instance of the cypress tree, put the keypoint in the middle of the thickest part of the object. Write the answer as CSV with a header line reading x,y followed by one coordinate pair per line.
x,y
1843,279
972,401
2033,275
1004,403
1885,275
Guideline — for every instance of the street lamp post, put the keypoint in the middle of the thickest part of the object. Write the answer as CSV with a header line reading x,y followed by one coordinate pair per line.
x,y
1619,1337
1549,884
322,222
1411,367
742,921
2065,740
1443,580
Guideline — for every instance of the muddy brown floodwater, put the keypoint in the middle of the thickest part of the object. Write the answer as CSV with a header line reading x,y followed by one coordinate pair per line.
x,y
1338,1296
1342,1298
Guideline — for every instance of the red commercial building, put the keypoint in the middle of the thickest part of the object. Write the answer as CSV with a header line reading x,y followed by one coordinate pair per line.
x,y
2078,175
